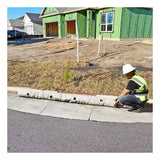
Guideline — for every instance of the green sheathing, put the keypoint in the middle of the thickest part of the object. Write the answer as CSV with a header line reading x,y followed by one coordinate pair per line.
x,y
49,10
125,23
136,23
148,24
128,22
116,26
62,27
56,18
93,25
81,19
51,19
90,24
71,16
151,30
117,22
82,23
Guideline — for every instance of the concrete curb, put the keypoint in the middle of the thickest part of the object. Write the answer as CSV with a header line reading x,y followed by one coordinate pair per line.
x,y
67,97
16,89
75,111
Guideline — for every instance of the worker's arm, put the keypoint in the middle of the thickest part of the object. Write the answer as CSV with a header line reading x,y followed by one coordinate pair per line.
x,y
124,92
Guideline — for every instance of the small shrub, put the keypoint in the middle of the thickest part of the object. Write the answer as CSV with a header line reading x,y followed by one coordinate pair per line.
x,y
66,77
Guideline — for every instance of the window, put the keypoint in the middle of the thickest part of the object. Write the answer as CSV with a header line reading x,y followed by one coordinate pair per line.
x,y
107,20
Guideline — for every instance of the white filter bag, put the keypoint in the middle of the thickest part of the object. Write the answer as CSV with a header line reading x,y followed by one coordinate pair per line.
x,y
109,102
67,97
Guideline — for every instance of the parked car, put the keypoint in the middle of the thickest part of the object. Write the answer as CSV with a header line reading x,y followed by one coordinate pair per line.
x,y
15,34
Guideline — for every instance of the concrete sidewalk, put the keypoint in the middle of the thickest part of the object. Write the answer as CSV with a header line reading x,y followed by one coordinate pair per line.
x,y
74,111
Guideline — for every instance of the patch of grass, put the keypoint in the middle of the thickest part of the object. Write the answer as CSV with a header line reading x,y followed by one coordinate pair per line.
x,y
48,75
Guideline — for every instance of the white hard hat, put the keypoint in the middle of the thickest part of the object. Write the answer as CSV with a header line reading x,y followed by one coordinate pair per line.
x,y
127,68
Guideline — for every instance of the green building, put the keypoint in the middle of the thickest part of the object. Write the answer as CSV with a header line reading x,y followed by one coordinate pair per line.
x,y
107,22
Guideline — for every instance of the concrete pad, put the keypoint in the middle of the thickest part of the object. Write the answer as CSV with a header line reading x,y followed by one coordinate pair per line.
x,y
121,115
28,105
67,110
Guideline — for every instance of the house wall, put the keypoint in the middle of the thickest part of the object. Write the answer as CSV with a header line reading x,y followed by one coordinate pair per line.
x,y
70,17
62,19
52,19
49,10
117,22
93,32
38,30
18,28
28,25
82,23
62,27
136,23
21,29
90,24
9,26
128,22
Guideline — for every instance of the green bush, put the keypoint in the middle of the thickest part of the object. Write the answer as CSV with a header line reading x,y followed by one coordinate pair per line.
x,y
66,77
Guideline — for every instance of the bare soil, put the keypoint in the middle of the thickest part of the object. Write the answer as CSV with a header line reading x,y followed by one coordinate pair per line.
x,y
58,52
112,53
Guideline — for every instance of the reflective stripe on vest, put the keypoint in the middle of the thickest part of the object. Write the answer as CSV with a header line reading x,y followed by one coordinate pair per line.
x,y
143,88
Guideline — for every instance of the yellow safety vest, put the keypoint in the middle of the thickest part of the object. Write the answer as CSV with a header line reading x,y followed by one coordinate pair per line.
x,y
142,91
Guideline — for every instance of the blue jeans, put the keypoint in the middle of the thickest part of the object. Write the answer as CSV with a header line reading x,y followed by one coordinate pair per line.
x,y
131,100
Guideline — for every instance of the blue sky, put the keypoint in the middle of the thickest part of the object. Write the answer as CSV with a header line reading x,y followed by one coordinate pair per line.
x,y
16,12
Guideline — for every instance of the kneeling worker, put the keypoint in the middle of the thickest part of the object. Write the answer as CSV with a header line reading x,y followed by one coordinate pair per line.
x,y
136,93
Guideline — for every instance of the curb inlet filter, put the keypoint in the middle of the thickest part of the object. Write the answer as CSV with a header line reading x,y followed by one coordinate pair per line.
x,y
64,97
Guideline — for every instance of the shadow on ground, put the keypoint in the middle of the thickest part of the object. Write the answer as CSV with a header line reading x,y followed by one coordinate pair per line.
x,y
26,41
148,107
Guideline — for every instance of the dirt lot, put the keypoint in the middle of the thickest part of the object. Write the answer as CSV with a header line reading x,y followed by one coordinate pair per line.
x,y
56,53
112,53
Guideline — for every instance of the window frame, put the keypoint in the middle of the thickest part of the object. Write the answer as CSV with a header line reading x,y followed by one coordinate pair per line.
x,y
106,23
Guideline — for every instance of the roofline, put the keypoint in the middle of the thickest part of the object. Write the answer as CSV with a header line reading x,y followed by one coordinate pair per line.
x,y
52,14
31,13
94,8
43,11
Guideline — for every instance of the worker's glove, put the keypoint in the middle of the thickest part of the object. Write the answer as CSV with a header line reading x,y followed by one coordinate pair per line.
x,y
116,102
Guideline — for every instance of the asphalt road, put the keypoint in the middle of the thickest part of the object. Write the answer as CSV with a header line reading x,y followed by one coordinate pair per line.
x,y
37,133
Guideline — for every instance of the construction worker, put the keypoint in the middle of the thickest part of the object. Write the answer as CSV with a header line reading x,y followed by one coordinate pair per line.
x,y
136,93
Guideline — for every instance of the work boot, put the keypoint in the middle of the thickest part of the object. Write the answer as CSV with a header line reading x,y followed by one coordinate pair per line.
x,y
137,109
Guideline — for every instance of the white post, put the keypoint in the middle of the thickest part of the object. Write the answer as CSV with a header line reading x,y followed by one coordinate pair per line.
x,y
99,45
77,42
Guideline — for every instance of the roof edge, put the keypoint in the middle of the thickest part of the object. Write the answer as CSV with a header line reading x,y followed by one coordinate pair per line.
x,y
43,10
52,14
85,8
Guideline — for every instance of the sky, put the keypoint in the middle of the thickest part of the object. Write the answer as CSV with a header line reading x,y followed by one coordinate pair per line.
x,y
16,12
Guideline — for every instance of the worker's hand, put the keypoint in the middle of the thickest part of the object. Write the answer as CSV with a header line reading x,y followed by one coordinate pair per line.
x,y
116,103
116,99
